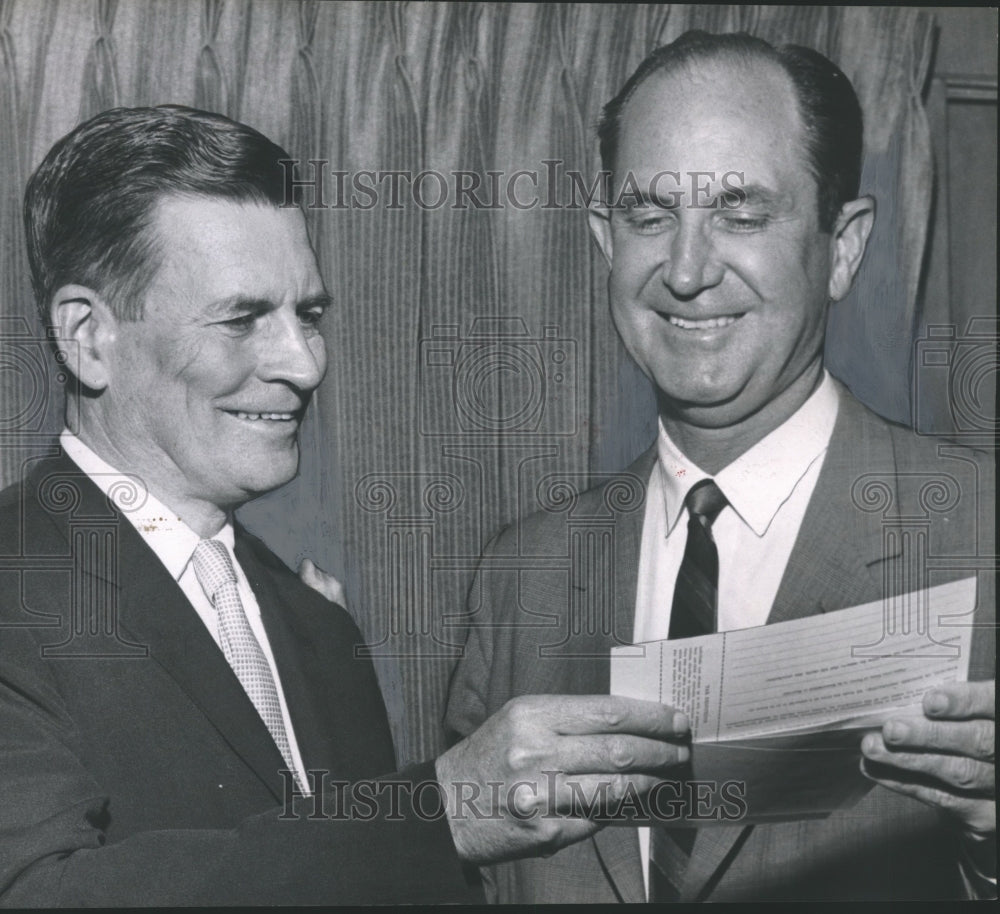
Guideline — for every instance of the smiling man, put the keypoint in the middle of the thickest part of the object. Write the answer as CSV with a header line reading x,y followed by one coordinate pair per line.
x,y
719,287
204,395
182,721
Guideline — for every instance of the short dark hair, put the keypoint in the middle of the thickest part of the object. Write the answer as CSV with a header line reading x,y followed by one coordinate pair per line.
x,y
828,106
88,207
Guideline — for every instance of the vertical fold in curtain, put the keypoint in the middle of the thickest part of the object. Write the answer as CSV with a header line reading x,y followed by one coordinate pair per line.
x,y
100,75
444,499
405,531
886,54
22,365
305,110
210,90
375,256
916,172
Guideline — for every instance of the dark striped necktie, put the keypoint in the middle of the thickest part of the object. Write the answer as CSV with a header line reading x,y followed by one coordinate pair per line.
x,y
697,588
694,612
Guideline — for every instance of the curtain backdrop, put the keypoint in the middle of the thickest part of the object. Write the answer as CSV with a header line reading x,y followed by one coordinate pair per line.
x,y
472,358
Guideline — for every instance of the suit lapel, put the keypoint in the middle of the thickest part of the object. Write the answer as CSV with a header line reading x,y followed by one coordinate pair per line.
x,y
714,848
618,848
837,558
628,543
152,611
333,696
296,659
836,562
156,612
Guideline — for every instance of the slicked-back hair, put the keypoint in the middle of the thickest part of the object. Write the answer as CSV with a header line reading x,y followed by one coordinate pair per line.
x,y
828,106
89,206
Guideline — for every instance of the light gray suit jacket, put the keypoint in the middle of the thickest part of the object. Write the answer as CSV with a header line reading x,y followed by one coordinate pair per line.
x,y
556,590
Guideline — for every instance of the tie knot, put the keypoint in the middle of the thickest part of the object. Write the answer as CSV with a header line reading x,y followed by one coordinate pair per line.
x,y
213,566
704,501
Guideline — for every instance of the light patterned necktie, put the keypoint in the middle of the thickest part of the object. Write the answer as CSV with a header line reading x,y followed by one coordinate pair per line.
x,y
694,612
217,577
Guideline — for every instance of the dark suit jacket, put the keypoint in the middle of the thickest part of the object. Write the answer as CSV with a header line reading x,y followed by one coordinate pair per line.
x,y
135,770
557,590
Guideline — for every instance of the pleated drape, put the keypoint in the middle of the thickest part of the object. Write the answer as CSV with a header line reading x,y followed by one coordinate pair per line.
x,y
471,352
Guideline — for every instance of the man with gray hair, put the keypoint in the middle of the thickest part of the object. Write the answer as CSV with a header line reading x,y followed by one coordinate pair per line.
x,y
182,721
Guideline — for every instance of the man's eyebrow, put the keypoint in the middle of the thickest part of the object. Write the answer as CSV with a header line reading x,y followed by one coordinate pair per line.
x,y
240,304
755,195
640,198
678,198
321,300
247,304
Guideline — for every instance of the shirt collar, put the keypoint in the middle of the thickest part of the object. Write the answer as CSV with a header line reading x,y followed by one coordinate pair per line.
x,y
164,532
760,481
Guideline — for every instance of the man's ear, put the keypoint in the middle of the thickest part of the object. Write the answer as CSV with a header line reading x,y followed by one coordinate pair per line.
x,y
85,331
850,237
599,217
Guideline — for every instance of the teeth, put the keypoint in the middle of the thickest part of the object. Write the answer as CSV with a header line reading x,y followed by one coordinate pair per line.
x,y
709,324
274,417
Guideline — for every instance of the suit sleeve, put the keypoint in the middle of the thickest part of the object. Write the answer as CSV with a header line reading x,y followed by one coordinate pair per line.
x,y
54,850
468,693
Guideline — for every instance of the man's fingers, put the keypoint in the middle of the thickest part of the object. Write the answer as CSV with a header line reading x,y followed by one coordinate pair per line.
x,y
594,794
944,759
309,575
561,763
978,814
960,771
974,738
617,753
962,700
587,714
325,584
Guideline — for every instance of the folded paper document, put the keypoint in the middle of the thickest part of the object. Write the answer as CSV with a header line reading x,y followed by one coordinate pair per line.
x,y
779,710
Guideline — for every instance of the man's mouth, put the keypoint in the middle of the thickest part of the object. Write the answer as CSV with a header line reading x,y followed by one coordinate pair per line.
x,y
708,323
266,417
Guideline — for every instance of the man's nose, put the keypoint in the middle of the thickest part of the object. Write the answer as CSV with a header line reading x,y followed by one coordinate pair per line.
x,y
692,264
294,353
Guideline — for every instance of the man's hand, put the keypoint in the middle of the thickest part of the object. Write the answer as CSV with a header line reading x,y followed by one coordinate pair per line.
x,y
945,758
546,754
321,582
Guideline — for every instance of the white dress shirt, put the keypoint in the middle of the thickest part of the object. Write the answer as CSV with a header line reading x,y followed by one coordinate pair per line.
x,y
173,542
768,490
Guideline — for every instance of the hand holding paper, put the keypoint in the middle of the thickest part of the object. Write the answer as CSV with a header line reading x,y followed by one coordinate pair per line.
x,y
944,758
542,755
783,708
